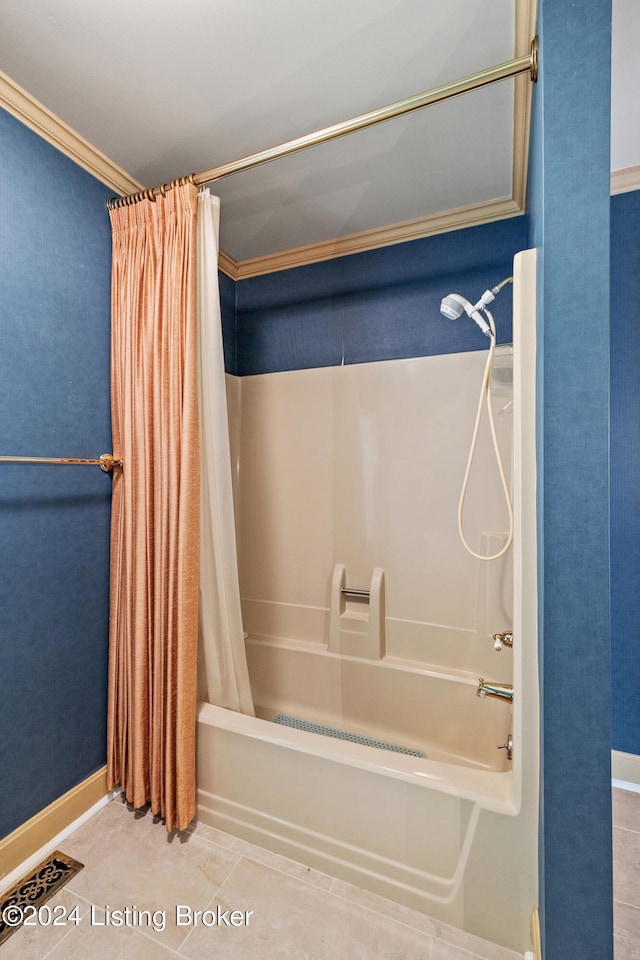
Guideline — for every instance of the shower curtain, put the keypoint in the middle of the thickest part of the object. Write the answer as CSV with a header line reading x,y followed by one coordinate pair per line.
x,y
223,677
155,505
172,530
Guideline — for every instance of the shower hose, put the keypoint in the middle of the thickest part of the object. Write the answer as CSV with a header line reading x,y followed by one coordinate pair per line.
x,y
485,396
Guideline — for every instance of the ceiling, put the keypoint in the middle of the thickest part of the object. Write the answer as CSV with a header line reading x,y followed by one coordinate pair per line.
x,y
165,89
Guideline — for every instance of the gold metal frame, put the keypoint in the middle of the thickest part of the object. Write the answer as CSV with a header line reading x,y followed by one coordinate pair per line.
x,y
503,71
106,462
33,890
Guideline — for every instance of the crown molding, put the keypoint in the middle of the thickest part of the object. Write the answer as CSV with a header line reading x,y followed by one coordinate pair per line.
x,y
228,265
625,180
36,116
382,237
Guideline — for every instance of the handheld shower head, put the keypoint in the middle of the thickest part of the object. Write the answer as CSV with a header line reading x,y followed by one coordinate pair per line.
x,y
453,306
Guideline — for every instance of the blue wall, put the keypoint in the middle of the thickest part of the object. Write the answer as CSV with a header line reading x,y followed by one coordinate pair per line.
x,y
569,213
379,305
625,469
55,254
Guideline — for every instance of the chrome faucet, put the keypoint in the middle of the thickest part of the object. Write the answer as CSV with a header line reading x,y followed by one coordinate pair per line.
x,y
500,691
502,639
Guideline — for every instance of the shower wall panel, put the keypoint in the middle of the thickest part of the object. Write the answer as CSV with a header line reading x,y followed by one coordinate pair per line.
x,y
362,465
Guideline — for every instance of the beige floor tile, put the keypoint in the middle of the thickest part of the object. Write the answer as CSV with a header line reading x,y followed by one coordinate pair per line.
x,y
291,920
448,951
626,920
386,908
625,948
109,943
424,924
130,861
468,945
36,942
626,809
626,866
252,852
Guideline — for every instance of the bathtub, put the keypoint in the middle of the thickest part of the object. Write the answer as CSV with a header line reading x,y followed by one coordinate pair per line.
x,y
452,834
268,782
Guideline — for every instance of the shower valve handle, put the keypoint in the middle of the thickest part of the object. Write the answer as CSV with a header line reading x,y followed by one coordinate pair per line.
x,y
502,639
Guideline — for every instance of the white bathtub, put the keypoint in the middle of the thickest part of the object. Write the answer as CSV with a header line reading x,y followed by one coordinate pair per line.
x,y
397,702
311,796
452,835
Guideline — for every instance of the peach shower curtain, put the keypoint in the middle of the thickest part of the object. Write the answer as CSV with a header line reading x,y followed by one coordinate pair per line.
x,y
155,508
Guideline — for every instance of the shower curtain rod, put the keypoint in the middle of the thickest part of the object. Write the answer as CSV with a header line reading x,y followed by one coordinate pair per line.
x,y
503,71
106,462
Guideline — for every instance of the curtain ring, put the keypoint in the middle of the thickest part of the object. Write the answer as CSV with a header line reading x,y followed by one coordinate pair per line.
x,y
150,195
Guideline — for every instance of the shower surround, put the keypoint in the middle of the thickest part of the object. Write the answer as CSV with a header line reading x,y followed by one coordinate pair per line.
x,y
349,477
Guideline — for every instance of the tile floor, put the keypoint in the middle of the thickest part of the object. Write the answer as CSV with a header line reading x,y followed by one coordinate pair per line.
x,y
626,874
265,906
275,908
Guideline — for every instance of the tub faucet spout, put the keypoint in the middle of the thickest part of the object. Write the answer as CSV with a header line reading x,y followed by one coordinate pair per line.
x,y
500,691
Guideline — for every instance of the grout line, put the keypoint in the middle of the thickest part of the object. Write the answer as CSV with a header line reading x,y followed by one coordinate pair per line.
x,y
625,903
617,826
352,901
472,956
56,945
210,903
143,933
140,930
270,866
70,931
